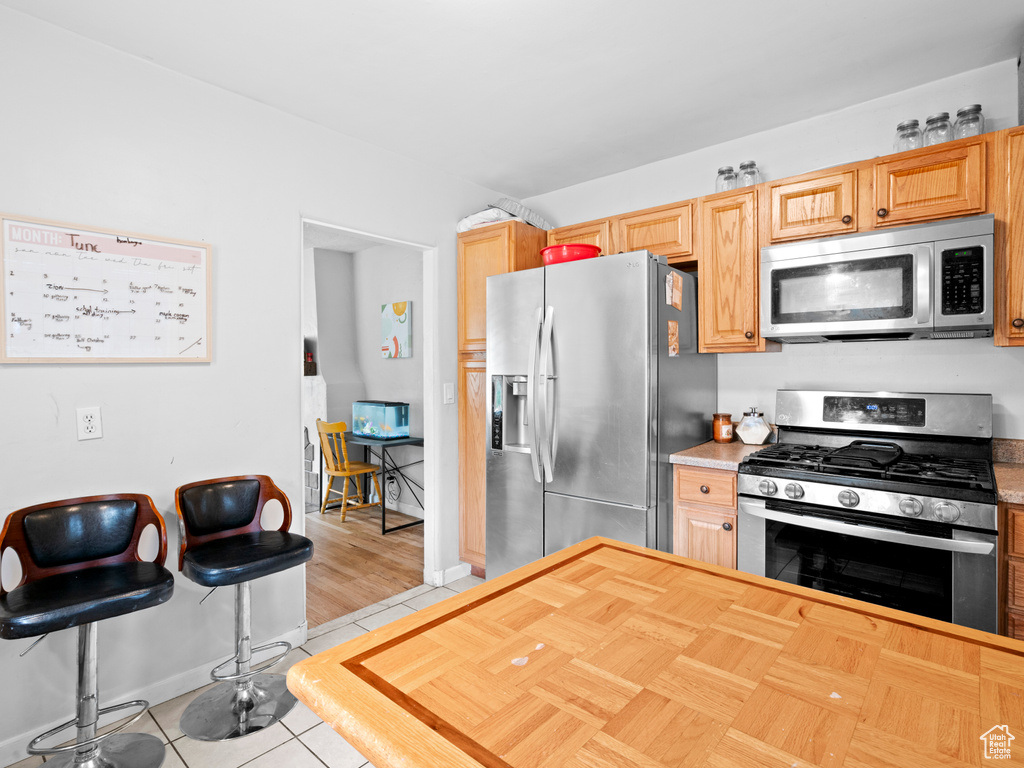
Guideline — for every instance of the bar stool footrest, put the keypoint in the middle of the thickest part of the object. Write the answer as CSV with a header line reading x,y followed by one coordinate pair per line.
x,y
35,749
215,674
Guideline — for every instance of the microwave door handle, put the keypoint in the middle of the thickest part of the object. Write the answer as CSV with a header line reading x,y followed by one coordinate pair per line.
x,y
923,285
756,507
532,437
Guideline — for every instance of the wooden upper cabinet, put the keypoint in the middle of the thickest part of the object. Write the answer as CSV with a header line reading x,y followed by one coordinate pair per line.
x,y
816,206
483,252
729,273
599,233
931,183
666,230
1009,303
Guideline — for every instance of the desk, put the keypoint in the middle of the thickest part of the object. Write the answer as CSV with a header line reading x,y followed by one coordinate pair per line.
x,y
388,467
608,654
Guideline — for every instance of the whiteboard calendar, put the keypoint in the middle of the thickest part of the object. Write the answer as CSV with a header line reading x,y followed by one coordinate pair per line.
x,y
75,294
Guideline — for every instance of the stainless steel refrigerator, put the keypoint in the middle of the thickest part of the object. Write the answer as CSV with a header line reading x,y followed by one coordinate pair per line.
x,y
593,381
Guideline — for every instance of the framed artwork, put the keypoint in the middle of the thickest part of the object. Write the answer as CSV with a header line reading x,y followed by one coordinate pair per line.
x,y
396,329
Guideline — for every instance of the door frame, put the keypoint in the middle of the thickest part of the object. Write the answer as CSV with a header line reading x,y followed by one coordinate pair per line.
x,y
432,387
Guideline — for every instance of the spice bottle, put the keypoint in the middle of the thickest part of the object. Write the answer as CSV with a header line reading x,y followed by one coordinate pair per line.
x,y
721,428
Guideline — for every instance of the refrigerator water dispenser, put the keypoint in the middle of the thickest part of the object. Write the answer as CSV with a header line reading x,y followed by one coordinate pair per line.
x,y
509,417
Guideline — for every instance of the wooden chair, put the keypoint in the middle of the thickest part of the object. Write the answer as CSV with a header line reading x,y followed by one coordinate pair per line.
x,y
332,441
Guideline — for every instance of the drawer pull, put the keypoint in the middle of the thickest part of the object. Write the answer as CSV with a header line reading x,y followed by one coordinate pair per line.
x,y
1018,323
727,526
705,489
847,219
749,334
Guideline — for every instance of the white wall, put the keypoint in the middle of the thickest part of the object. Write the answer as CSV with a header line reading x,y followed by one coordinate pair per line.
x,y
337,335
853,134
93,136
383,275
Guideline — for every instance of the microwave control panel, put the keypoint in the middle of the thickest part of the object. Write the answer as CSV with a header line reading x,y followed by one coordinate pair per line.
x,y
963,275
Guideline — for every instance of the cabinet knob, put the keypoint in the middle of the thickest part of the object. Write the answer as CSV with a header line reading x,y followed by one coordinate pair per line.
x,y
749,335
705,489
727,526
1018,323
882,213
848,218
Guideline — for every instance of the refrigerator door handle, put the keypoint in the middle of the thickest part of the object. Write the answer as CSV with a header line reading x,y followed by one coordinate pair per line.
x,y
531,398
549,442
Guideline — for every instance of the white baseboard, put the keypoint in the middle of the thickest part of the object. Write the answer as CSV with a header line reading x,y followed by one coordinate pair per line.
x,y
13,749
447,576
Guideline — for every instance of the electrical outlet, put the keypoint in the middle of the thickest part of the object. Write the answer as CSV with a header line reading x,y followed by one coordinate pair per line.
x,y
449,393
90,426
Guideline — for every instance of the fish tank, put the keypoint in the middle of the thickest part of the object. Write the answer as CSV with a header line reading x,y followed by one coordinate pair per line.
x,y
380,418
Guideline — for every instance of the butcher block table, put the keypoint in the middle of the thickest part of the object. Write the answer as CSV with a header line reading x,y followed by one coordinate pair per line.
x,y
606,655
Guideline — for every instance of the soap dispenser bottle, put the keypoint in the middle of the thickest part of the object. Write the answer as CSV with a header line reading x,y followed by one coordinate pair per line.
x,y
753,429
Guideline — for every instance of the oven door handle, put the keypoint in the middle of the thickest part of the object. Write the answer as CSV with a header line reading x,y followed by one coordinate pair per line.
x,y
756,507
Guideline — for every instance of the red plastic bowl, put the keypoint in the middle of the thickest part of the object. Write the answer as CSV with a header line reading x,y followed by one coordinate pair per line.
x,y
557,254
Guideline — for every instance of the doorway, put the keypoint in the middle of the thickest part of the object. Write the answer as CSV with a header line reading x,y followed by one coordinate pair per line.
x,y
350,281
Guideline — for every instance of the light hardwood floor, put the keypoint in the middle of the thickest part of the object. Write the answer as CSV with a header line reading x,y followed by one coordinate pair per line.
x,y
354,566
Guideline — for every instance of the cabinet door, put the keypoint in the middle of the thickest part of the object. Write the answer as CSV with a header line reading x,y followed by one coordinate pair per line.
x,y
666,230
934,183
597,233
814,207
1009,320
728,273
472,462
482,253
705,534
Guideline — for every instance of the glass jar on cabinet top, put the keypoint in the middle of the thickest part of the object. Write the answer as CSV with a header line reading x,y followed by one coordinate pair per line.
x,y
937,129
753,429
749,175
721,427
908,136
726,179
969,122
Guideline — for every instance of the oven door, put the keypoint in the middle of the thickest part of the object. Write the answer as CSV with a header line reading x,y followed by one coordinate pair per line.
x,y
908,565
882,292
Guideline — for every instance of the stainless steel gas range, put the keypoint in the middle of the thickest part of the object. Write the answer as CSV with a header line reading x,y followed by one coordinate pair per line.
x,y
887,497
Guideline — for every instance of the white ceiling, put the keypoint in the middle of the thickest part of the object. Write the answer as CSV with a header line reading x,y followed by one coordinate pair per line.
x,y
529,96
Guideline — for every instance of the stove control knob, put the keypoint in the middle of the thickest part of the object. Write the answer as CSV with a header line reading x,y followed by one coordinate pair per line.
x,y
794,490
849,498
767,487
911,507
946,512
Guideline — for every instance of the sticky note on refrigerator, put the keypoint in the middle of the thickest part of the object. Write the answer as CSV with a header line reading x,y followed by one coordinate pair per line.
x,y
674,290
673,338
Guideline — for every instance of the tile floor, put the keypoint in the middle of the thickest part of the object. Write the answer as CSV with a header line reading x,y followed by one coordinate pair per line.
x,y
300,740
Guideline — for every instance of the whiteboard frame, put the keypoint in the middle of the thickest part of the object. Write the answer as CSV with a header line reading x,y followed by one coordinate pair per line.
x,y
205,248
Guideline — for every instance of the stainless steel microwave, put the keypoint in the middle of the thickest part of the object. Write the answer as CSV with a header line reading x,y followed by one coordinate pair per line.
x,y
929,281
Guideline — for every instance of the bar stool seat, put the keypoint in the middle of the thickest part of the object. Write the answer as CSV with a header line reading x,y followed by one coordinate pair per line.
x,y
70,599
244,557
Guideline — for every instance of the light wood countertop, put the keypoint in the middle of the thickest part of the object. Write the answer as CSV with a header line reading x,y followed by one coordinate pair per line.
x,y
607,655
715,455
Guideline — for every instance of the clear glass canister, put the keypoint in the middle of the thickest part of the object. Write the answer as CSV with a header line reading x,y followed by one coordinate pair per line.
x,y
753,429
937,129
749,175
969,122
908,136
726,179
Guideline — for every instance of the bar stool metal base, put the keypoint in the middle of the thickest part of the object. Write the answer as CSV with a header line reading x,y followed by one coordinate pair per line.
x,y
224,712
123,750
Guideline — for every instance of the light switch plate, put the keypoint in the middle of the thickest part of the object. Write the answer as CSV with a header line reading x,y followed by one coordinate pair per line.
x,y
449,393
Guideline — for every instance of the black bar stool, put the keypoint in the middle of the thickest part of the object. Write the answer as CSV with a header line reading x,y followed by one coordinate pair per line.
x,y
79,565
223,543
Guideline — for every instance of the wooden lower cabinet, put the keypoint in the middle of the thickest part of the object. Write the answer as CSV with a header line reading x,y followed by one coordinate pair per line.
x,y
1012,574
473,463
705,531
